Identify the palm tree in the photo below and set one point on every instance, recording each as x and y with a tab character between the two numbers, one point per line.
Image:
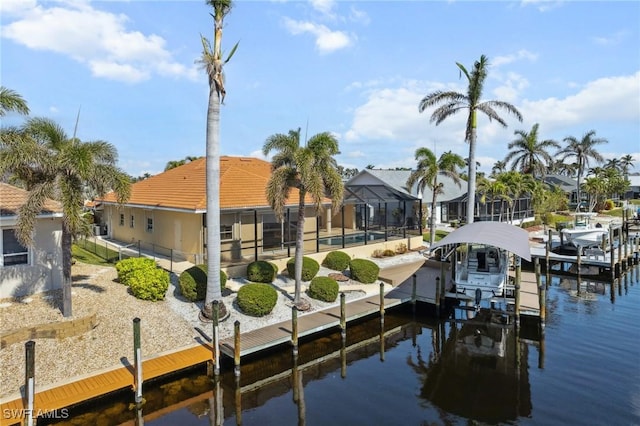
498	167
62	169
626	162
613	163
453	102
313	172
528	154
12	101
582	150
517	185
213	63
427	173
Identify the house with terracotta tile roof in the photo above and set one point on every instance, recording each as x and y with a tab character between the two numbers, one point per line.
29	270
166	214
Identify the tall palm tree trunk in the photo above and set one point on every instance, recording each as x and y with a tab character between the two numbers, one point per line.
66	271
471	186
214	291
432	225
299	249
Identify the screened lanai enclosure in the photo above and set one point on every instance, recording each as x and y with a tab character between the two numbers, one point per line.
369	214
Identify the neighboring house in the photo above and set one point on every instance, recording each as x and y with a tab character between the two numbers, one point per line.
166	213
389	199
568	185
381	199
634	189
29	270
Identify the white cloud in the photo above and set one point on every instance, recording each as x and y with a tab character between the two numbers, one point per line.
522	54
612	39
96	38
389	115
323	6
326	40
360	16
612	99
543	5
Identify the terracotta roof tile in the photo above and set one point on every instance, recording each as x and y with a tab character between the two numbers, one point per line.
242	185
12	198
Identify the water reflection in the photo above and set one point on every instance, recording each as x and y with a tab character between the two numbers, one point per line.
478	374
475	369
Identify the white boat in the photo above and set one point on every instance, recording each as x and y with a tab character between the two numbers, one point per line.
584	233
481	268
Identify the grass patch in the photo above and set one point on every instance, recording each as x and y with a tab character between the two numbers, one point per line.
85	256
439	235
616	212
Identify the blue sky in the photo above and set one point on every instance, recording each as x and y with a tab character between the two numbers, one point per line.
357	69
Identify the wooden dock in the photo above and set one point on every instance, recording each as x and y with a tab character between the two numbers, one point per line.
314	322
102	383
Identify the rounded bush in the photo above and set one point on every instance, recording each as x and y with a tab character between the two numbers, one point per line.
127	266
149	284
261	271
257	299
193	282
336	260
324	288
310	268
364	270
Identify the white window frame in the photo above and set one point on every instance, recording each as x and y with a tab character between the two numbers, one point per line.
3	256
150	224
132	222
121	219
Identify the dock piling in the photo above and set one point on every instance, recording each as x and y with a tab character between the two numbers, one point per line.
137	356
517	289
215	339
542	294
343	316
294	330
381	302
438	297
29	382
236	348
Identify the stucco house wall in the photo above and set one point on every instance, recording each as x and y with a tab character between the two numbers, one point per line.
43	270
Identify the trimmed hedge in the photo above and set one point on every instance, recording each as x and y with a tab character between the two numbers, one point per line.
257	299
193	282
336	260
126	266
261	271
149	284
324	288
364	270
310	268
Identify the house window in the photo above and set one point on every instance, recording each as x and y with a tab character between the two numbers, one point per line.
133	221
13	253
121	219
226	232
149	224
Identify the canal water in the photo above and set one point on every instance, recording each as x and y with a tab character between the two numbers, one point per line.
412	370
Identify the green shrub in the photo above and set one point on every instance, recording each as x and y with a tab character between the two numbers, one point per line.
193	282
149	284
257	299
261	271
310	268
126	266
324	288
336	260
364	270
